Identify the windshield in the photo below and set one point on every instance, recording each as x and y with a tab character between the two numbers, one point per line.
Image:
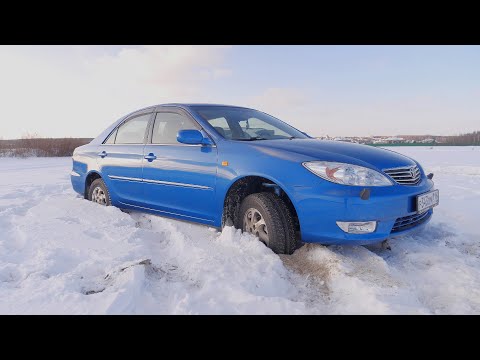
246	124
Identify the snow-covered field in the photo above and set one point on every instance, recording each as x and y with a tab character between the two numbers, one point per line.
60	254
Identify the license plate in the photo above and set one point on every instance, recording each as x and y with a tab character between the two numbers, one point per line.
427	201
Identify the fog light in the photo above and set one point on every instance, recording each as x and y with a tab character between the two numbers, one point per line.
355	227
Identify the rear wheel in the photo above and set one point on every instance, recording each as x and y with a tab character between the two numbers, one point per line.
267	217
98	193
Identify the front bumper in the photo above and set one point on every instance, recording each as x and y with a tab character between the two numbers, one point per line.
320	207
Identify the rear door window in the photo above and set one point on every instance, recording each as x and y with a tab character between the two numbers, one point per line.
111	139
133	131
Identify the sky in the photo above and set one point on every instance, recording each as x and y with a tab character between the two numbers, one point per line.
78	91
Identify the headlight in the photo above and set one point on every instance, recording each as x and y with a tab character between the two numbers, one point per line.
347	174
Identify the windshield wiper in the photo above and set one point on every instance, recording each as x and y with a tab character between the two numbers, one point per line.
251	139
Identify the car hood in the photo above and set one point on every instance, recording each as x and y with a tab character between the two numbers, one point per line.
327	150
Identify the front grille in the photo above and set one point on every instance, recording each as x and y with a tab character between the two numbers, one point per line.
410	221
409	175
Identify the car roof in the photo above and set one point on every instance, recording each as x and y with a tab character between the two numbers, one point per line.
187	105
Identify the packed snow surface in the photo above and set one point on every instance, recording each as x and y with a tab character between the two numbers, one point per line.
60	254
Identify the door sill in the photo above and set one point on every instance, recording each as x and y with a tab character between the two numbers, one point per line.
167	213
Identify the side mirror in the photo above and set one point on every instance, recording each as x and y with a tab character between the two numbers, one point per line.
192	137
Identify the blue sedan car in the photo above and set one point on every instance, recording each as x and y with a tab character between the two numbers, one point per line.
226	165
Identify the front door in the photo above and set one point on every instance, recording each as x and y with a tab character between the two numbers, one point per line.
179	179
121	158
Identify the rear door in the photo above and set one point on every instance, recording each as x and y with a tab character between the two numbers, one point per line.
121	159
179	179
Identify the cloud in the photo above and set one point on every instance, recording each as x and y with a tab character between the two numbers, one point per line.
292	105
318	113
79	90
280	98
221	73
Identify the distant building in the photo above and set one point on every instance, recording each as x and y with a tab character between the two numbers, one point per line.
394	140
397	139
342	139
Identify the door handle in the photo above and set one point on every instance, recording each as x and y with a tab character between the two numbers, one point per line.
150	157
102	154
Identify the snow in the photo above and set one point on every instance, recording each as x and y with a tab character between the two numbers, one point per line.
60	254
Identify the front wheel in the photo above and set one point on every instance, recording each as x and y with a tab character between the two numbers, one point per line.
98	193
267	217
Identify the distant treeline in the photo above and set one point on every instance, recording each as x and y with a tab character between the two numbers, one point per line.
472	138
463	139
47	147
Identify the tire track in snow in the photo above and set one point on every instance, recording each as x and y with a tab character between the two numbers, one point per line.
218	258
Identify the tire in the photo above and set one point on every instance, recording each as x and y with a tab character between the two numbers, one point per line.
98	193
276	230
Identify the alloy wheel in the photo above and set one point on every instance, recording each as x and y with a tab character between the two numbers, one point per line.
98	196
254	223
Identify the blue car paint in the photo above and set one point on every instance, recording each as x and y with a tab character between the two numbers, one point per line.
176	164
190	182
